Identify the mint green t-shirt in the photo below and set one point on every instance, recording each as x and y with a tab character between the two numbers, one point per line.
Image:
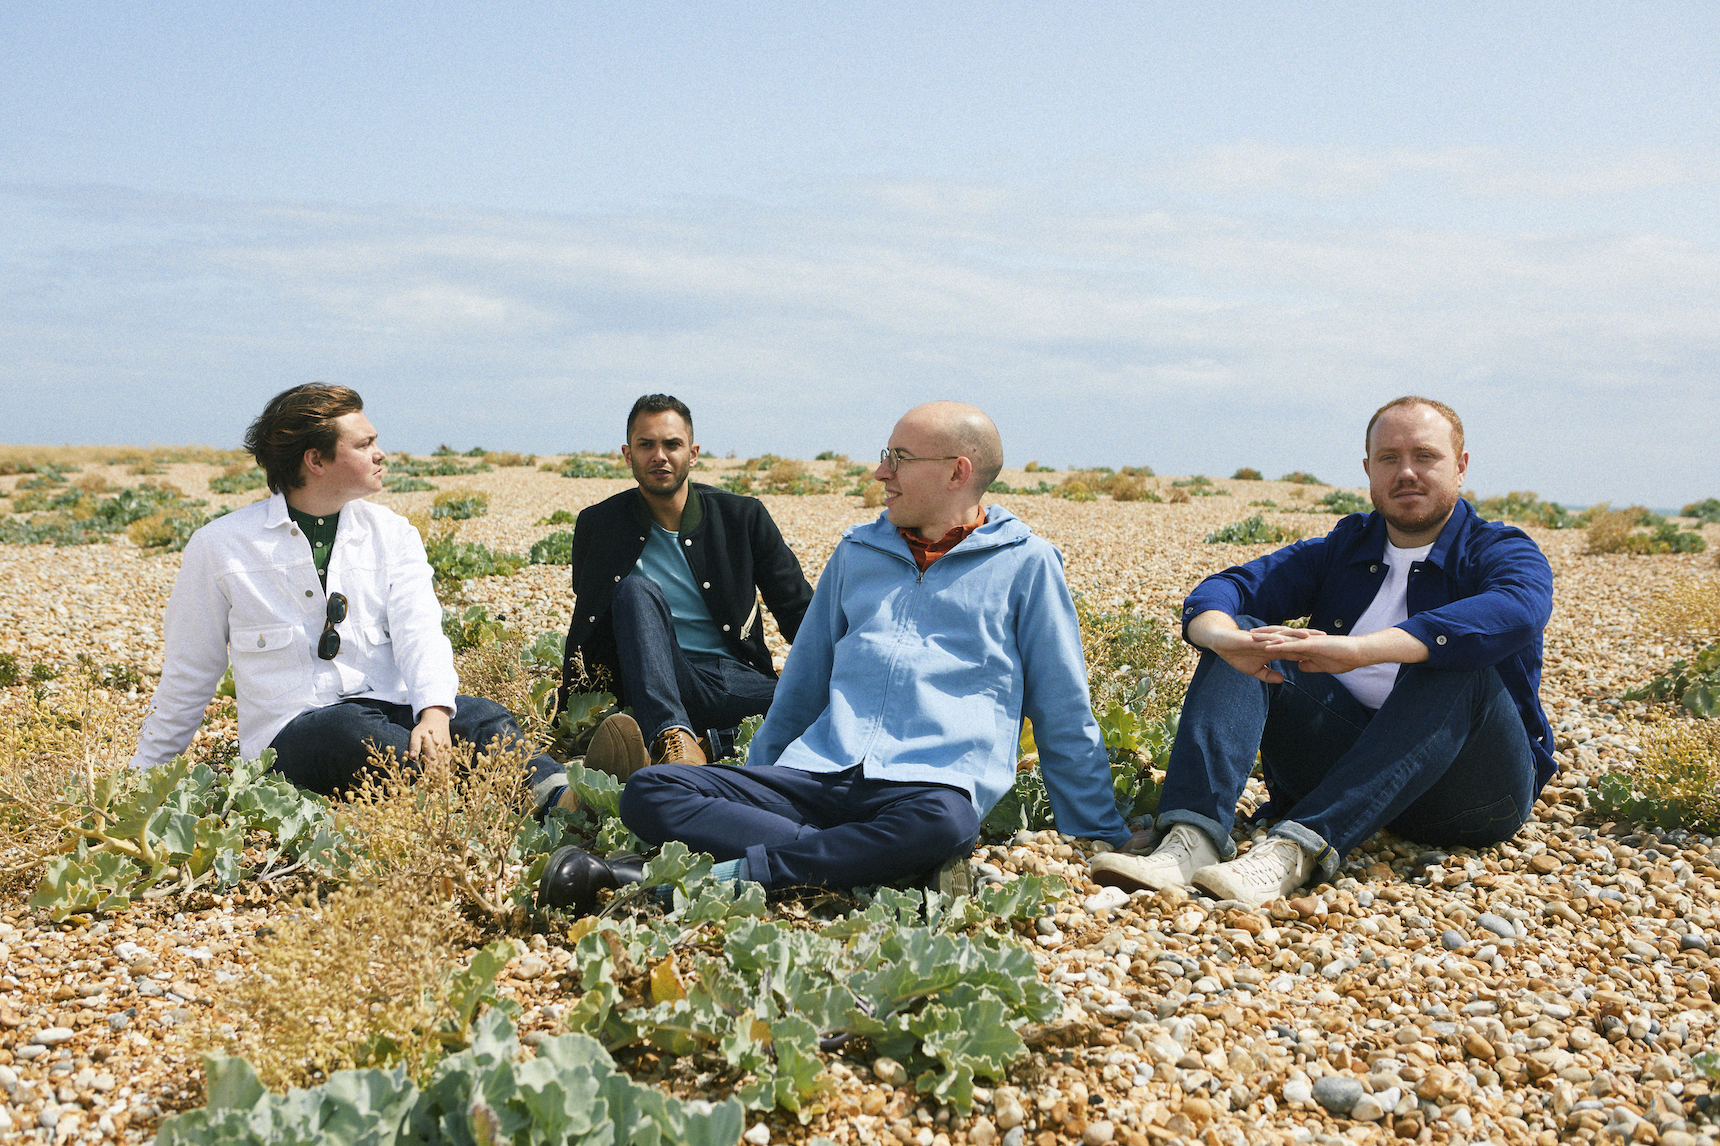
664	562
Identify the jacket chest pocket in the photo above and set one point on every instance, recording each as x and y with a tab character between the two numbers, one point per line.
267	661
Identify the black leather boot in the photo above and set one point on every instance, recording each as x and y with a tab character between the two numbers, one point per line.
572	878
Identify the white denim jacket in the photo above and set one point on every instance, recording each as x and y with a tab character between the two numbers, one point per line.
248	590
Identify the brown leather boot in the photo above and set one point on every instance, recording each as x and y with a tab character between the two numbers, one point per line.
677	746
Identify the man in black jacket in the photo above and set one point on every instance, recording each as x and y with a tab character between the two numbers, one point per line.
666	584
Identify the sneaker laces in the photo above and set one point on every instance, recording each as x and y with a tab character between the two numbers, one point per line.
1250	866
1180	843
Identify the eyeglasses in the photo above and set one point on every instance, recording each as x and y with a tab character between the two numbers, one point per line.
894	458
329	643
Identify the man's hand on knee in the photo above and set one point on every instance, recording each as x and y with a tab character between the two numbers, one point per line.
430	740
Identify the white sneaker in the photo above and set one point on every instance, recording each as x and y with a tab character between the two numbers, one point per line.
1184	849
1275	866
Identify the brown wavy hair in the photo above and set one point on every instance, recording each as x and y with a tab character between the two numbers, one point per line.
294	421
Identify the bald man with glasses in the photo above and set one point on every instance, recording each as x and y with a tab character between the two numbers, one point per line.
896	725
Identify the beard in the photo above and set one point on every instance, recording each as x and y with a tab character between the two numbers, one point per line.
1435	514
663	485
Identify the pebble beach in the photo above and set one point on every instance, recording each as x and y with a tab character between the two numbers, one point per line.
1555	988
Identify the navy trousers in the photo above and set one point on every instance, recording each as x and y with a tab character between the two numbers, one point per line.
796	828
326	749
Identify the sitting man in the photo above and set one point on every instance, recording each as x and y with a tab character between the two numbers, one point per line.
896	726
666	584
1410	702
324	604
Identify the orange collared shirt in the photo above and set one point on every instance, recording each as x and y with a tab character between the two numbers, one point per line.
926	552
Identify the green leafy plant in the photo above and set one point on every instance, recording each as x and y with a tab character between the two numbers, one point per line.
593	466
1675	782
1302	477
556	549
1246	473
1252	531
568	1092
454	562
238	479
1342	501
406	483
180	826
1695	684
559	517
460	504
472	627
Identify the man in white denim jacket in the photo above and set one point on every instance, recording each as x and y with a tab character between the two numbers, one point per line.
324	604
896	724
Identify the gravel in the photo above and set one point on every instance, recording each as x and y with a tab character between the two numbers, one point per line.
1554	988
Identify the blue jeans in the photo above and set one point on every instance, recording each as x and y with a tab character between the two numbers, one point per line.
1445	759
327	749
665	687
797	828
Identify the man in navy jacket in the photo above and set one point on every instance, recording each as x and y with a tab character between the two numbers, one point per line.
1410	700
666	581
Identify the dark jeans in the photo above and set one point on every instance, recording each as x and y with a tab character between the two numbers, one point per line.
327	749
1445	759
795	828
665	687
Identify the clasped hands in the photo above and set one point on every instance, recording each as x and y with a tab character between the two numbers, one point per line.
1252	651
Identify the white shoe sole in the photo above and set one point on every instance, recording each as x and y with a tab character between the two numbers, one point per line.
1133	873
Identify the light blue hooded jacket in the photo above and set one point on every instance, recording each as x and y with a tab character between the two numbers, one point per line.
924	678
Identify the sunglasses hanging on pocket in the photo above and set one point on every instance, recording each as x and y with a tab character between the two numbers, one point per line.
329	643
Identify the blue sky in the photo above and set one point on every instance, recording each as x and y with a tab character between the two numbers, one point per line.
1193	236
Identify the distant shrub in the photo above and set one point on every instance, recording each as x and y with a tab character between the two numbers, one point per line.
444	451
1127	487
829	456
460	504
1615	531
1707	511
1526	506
1692	605
454	562
1254	530
238	479
406	484
168	529
556	549
1074	489
1198	481
873	495
559	517
1343	501
1302	477
1246	473
591	466
509	459
1036	468
1178	496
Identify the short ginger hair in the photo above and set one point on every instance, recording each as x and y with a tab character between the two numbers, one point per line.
1441	408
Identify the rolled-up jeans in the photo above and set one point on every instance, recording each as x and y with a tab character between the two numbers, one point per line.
1445	760
326	749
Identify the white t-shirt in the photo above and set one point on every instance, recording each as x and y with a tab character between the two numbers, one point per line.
1371	684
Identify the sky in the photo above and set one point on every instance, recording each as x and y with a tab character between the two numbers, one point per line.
1195	236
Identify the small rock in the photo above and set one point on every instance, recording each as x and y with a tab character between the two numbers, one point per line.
1544	864
1097	1133
889	1072
1497	924
1368	1109
118	1023
530	966
1451	939
982	1132
1015	1137
758	1134
1298	1091
1692	941
1108	899
30	1051
53	1036
1337	1093
6	1123
1008	1110
1306	907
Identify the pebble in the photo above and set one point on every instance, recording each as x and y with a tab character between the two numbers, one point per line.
758	1134
889	1072
1108	899
1692	941
1298	1090
1499	927
1337	1093
53	1036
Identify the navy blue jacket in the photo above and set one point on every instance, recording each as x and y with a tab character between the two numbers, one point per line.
1481	597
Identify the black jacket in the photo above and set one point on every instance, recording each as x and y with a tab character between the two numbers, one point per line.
736	553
